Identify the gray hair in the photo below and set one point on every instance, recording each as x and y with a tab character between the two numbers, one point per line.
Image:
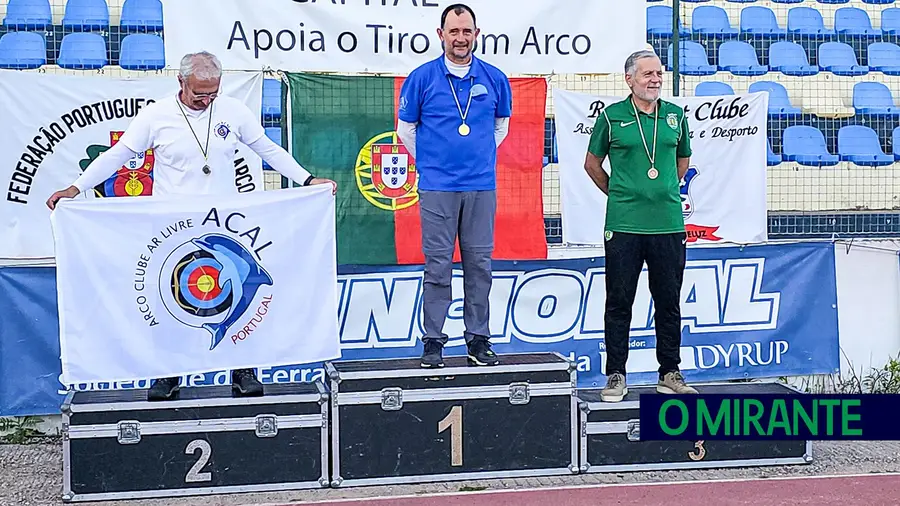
202	65
631	61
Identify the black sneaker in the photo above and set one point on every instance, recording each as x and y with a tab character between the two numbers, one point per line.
480	352
164	389
244	383
431	356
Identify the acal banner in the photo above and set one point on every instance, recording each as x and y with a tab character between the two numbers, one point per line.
56	125
754	312
394	37
723	193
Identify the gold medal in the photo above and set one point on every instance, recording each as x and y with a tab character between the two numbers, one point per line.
653	173
464	128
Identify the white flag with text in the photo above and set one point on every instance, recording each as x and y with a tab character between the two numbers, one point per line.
723	193
153	287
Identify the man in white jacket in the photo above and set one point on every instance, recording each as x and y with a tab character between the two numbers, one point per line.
194	135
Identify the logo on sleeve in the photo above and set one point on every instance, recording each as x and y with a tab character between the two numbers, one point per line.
222	130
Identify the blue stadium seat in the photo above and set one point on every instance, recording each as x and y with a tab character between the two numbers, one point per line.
739	58
877	2
761	22
807	22
86	15
779	102
692	59
890	21
806	146
840	59
271	99
884	57
22	50
273	133
874	98
712	89
141	15
895	142
82	51
659	21
833	1
711	20
142	51
853	22
790	59
28	14
771	157
788	1
860	145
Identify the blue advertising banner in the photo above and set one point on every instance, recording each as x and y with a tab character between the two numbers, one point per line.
752	312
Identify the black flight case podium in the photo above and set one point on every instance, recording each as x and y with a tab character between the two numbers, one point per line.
394	422
611	442
117	445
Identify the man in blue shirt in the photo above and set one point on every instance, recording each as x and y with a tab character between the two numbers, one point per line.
454	113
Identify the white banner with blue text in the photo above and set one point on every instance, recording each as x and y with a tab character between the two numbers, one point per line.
54	126
168	286
723	192
390	36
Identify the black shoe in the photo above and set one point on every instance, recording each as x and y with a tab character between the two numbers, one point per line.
164	389
432	356
244	383
480	352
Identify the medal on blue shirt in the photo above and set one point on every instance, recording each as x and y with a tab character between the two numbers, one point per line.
464	128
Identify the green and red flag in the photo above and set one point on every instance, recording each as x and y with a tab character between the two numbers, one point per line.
344	128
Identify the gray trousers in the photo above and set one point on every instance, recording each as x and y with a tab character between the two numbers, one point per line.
470	217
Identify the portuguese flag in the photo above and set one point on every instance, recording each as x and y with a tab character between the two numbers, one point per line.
344	128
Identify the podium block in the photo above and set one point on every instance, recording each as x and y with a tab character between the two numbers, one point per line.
394	422
610	437
117	445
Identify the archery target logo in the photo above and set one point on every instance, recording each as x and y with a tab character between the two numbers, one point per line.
209	282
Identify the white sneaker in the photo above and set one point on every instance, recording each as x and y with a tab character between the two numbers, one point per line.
615	390
673	383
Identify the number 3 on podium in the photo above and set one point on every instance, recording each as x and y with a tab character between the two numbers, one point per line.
454	422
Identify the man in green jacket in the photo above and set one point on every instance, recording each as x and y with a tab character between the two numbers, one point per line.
648	144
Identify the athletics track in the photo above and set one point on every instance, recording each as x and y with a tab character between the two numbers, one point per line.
867	490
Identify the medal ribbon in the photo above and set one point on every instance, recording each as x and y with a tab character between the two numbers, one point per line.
462	114
643	139
203	150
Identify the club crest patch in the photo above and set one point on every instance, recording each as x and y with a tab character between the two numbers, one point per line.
672	120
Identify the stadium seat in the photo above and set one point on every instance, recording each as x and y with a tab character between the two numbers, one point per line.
141	15
771	158
878	2
860	145
895	142
22	50
760	22
692	59
788	1
86	15
659	21
28	14
806	146
790	59
890	21
779	102
853	22
271	99
807	22
884	57
82	51
142	51
840	59
875	99
712	89
739	58
711	20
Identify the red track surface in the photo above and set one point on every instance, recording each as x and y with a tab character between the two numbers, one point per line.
869	490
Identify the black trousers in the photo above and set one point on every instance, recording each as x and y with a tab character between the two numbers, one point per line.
625	256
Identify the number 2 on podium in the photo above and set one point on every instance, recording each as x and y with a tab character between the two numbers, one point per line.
453	421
